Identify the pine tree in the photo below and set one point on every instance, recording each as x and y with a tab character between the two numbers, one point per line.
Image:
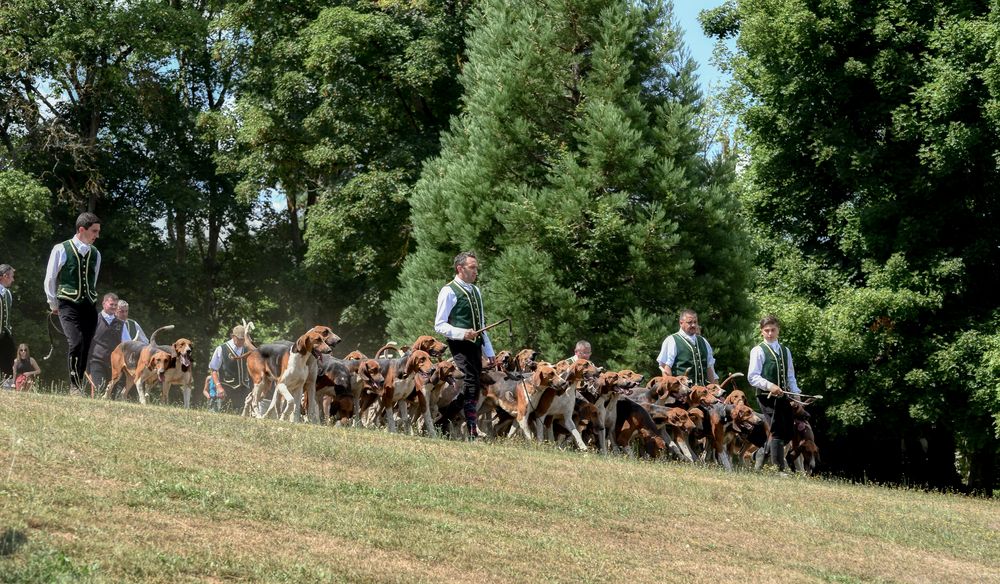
576	173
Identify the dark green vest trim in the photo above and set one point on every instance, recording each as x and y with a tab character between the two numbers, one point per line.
5	301
692	358
77	278
468	310
775	368
233	372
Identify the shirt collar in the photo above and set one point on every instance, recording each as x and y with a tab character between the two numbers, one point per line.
692	338
3	289
463	283
80	246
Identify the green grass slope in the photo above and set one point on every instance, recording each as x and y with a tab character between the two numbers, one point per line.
111	492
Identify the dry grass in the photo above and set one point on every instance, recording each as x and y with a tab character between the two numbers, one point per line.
111	492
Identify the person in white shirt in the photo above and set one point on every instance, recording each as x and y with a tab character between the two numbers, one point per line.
228	370
460	318
131	331
71	291
581	351
8	348
772	373
687	352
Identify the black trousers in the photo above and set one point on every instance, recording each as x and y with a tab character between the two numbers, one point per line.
469	360
779	415
79	321
8	352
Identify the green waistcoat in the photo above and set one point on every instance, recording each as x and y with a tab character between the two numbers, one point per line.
468	310
5	312
233	372
775	368
132	327
691	358
77	278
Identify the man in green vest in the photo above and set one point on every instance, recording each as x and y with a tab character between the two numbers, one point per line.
8	348
460	318
71	291
772	374
687	352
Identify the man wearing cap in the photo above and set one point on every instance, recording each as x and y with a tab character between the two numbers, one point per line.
228	368
459	318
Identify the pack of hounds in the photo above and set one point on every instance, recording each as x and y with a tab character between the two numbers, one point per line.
415	390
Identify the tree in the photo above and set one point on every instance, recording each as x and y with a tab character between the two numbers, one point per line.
342	103
575	172
872	132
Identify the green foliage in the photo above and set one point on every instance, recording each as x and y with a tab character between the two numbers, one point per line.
574	172
25	203
872	135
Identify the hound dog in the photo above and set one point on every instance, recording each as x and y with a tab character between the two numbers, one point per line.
355	355
265	365
503	361
430	345
526	360
443	377
403	376
580	373
167	365
532	396
633	423
603	395
666	390
802	454
299	374
359	379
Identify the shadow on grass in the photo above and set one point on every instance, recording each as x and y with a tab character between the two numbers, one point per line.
11	541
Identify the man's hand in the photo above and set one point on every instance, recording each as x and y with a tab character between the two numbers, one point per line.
470	335
55	311
491	361
773	390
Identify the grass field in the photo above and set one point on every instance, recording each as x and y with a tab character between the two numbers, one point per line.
111	492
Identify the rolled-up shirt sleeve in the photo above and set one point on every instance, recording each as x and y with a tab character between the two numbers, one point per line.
445	302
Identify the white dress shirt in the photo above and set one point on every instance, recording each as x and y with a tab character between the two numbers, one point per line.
445	302
57	259
139	334
216	363
668	351
757	363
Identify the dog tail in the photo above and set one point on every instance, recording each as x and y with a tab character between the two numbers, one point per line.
730	378
152	337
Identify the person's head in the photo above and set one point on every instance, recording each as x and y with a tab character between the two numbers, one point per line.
22	351
6	275
239	335
582	350
110	303
121	310
688	320
769	328
88	228
467	266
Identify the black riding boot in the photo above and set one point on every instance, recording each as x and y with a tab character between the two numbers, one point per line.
777	449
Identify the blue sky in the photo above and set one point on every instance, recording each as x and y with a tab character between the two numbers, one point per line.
686	13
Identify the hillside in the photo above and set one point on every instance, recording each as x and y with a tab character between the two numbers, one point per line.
111	492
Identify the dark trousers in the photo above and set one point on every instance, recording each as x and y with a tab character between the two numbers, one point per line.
79	321
8	352
469	360
778	412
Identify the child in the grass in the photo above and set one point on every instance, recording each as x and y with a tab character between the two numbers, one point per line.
211	394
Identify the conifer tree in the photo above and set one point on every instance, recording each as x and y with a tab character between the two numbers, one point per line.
576	174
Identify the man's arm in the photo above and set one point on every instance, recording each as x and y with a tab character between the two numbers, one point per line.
793	385
754	369
57	258
667	356
445	302
710	360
